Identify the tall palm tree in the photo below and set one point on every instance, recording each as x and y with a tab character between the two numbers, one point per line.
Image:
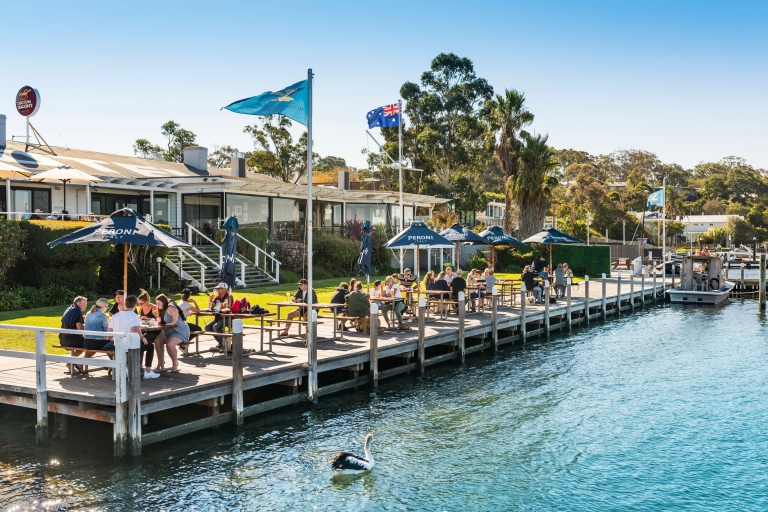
531	187
507	116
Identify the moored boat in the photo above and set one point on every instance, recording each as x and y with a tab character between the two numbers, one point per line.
701	282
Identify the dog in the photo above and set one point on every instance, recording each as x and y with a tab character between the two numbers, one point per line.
364	324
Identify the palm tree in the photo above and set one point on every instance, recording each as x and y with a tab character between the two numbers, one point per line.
531	187
507	116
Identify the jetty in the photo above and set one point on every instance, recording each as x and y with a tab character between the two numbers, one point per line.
212	390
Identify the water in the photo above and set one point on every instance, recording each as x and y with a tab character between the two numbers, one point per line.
663	409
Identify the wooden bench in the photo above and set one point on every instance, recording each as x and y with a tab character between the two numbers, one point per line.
622	262
344	319
72	351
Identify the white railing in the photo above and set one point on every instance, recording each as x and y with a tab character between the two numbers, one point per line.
271	267
126	366
192	231
179	269
84	217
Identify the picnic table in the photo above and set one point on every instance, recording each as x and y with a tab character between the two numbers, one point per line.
508	284
261	317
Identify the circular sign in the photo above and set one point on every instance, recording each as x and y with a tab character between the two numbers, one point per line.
27	101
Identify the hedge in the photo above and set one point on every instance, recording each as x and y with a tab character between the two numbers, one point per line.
11	247
335	255
591	260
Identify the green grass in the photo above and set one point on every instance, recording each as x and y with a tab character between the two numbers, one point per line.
51	316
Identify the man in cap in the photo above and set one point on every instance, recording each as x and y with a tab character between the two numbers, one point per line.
220	302
300	298
119	304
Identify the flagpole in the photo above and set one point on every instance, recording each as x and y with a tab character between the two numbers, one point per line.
400	172
311	342
664	224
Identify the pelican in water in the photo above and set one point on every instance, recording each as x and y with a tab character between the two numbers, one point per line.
349	463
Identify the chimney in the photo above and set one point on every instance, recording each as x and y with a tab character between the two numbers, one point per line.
2	131
238	166
344	180
196	157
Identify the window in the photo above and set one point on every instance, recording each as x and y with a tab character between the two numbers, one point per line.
249	210
376	213
30	199
284	215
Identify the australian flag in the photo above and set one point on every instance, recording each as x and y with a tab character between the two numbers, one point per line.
383	117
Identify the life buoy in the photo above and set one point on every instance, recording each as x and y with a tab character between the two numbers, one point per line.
714	283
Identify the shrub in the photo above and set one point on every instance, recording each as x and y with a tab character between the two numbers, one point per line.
477	262
353	229
513	269
286	276
335	256
380	255
11	247
256	235
290	254
10	300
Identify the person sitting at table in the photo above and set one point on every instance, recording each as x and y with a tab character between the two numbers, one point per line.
377	291
119	304
544	274
429	280
407	279
147	313
73	319
175	329
529	280
53	216
568	271
127	321
358	305
392	291
352	285
340	297
449	275
300	298
96	320
539	264
188	306
219	302
559	281
441	285
476	287
457	284
490	281
65	215
36	215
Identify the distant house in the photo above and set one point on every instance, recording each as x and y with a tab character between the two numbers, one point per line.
493	214
696	225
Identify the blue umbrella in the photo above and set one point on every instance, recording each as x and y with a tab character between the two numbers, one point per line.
457	234
122	227
417	235
364	261
227	274
496	237
551	236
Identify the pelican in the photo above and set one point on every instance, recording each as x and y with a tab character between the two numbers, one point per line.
284	95
349	463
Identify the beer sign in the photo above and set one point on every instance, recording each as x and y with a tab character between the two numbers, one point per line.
27	101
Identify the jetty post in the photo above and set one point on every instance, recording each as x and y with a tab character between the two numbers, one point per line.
422	332
120	429
655	290
642	290
41	427
494	317
586	298
374	352
632	291
522	312
312	356
237	372
568	318
134	397
762	281
604	304
545	292
462	314
742	277
618	292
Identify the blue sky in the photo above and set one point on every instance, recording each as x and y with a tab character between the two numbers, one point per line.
686	80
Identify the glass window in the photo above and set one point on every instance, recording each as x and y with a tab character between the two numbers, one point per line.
162	210
284	216
376	213
395	215
21	200
249	210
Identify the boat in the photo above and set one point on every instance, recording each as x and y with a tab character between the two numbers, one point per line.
701	282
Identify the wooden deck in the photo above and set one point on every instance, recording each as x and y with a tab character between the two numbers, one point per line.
272	380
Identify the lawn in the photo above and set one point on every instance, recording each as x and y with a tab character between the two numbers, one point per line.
51	316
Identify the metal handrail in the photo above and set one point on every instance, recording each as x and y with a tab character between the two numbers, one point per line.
191	229
202	267
257	250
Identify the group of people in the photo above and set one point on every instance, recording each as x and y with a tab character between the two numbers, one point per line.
128	314
63	215
539	271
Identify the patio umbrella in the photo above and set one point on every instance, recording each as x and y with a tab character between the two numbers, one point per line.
457	234
496	237
65	174
415	236
122	227
364	261
229	252
551	236
8	171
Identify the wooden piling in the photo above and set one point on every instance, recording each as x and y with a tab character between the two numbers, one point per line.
133	381
374	351
462	313
642	290
742	277
312	357
422	333
586	298
237	371
604	303
618	293
568	319
120	429
522	312
494	316
655	290
41	395
632	292
545	293
762	281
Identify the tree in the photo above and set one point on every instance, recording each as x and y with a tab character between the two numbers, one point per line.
11	247
507	116
221	157
674	174
275	152
178	138
329	163
713	207
146	149
531	186
620	163
182	139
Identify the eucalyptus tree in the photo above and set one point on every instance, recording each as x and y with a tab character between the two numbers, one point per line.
275	153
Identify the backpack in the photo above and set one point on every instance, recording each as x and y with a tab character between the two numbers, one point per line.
258	310
241	306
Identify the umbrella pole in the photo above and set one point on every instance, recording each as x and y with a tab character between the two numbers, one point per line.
550	257
416	273
65	195
458	257
125	269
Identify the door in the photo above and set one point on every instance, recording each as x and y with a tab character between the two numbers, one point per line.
203	212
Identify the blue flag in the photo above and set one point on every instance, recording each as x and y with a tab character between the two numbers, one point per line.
386	116
292	102
656	198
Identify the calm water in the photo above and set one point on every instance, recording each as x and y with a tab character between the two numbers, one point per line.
664	409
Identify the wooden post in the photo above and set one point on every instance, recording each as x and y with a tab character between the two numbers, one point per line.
604	303
586	298
494	317
374	355
632	291
237	371
120	430
673	274
41	427
727	267
642	290
312	357
422	332
655	290
762	281
133	381
568	318
742	278
522	312
618	293
546	307
462	313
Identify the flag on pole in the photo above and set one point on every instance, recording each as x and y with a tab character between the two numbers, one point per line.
292	102
384	117
656	198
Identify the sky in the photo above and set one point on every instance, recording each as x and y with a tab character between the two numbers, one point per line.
686	80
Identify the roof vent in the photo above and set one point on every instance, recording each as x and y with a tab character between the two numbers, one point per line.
238	166
2	130
344	180
196	157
